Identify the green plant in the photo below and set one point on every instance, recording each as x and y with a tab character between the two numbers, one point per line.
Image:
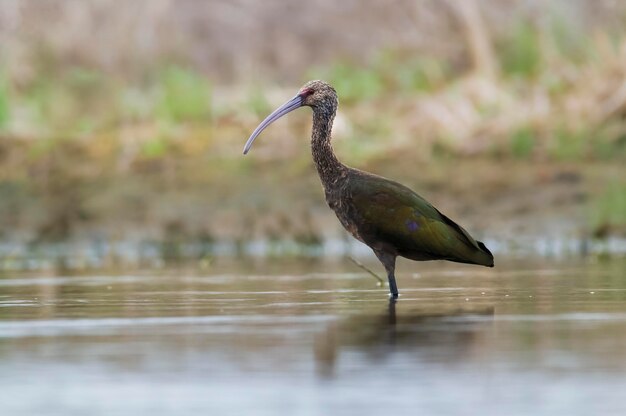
416	74
155	148
353	83
85	81
609	142
522	143
609	209
257	102
569	42
4	101
568	144
520	53
184	95
53	104
368	141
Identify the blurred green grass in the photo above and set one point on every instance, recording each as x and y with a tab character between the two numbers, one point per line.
183	96
4	101
82	144
607	213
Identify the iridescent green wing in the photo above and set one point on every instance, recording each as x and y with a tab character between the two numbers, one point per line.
392	213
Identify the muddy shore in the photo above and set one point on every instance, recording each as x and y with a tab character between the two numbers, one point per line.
79	194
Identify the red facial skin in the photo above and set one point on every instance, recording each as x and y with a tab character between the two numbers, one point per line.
305	92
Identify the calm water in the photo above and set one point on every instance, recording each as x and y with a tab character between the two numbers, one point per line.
548	339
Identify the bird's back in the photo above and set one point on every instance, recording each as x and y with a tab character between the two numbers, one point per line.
388	216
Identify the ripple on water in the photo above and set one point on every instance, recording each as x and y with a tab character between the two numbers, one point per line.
545	341
62	327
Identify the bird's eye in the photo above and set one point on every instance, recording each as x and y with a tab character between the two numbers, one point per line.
305	92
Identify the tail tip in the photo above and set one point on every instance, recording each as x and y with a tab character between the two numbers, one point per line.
485	250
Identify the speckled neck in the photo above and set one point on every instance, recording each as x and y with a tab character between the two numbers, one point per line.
329	168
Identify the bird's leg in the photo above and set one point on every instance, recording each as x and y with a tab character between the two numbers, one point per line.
362	266
389	261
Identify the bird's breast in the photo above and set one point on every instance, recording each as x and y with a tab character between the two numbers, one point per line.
340	204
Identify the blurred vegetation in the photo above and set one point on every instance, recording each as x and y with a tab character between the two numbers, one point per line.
609	209
154	143
520	52
184	96
4	102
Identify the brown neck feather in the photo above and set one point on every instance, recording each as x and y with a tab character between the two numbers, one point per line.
329	168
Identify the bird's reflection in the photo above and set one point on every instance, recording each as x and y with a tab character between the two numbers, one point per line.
445	334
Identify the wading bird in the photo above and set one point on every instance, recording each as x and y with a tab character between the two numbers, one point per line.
387	216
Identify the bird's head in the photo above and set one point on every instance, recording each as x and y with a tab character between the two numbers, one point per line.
318	95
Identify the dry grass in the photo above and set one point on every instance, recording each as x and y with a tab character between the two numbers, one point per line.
113	116
467	77
279	40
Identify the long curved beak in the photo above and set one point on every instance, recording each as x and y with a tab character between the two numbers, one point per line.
295	102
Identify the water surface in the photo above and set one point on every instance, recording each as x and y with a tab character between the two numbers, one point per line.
546	339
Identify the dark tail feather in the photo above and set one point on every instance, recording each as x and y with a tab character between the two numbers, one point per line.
488	257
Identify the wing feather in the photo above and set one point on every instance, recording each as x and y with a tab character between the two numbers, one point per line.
389	212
